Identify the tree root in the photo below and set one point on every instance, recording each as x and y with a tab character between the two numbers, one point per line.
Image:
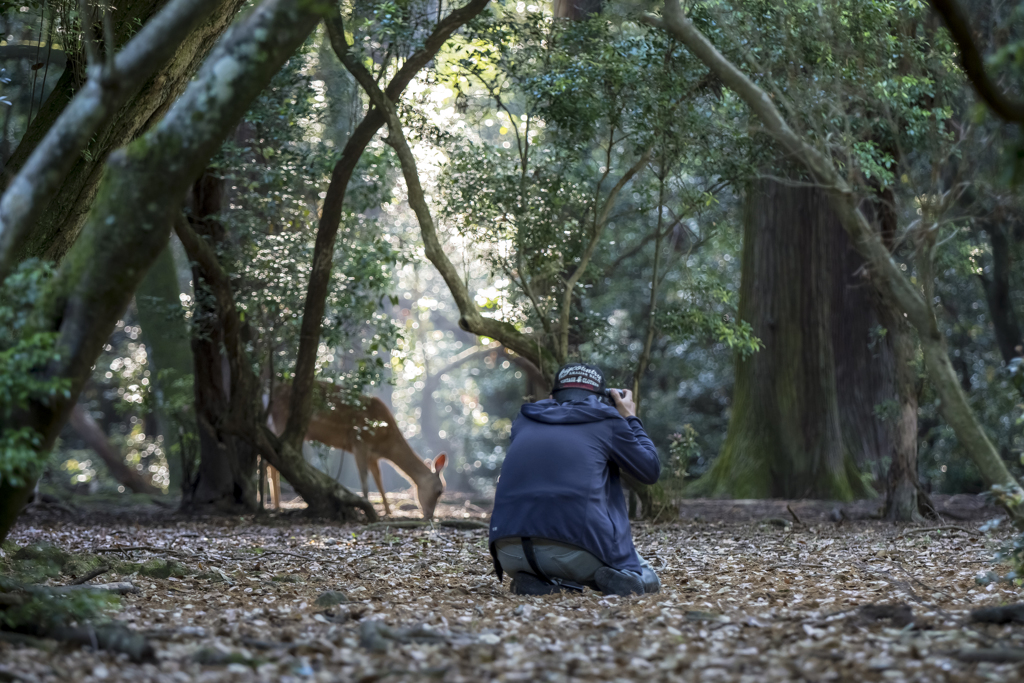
999	615
113	637
900	615
21	594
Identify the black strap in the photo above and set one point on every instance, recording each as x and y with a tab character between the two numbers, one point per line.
494	558
532	559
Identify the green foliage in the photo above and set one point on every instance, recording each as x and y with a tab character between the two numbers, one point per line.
23	352
277	173
698	318
1011	552
683	453
567	108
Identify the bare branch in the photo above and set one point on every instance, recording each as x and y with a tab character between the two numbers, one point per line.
87	21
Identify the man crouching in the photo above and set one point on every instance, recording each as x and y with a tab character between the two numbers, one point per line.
560	520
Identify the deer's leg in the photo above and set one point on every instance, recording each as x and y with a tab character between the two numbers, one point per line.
374	466
275	486
360	459
263	484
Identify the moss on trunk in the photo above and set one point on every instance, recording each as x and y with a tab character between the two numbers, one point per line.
786	435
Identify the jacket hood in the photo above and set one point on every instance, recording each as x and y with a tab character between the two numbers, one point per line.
550	411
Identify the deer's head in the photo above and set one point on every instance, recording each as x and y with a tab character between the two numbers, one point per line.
430	490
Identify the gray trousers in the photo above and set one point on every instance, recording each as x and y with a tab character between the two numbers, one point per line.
556	559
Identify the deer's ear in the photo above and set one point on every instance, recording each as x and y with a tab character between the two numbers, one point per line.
439	462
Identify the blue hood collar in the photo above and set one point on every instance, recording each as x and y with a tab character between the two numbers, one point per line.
550	411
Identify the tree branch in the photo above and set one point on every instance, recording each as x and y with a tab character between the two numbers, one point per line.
94	106
92	434
472	320
959	26
142	190
599	224
301	401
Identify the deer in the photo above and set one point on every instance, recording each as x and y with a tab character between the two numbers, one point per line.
369	433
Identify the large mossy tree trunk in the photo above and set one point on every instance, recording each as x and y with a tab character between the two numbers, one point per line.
786	434
64	217
913	297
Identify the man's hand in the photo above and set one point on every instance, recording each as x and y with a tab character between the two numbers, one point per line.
624	402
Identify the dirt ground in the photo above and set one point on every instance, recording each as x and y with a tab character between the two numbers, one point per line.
747	597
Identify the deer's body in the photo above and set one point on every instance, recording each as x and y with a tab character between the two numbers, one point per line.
369	432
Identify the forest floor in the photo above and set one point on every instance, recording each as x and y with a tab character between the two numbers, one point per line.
748	597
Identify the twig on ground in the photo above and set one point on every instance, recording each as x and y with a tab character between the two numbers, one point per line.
285	552
926	529
118	588
90	576
795	518
463	524
137	548
920	583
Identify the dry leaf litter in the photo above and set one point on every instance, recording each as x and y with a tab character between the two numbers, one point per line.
290	600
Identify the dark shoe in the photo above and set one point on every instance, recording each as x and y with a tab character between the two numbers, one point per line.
613	582
650	581
528	584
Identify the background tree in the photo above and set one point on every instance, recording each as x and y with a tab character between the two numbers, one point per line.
886	274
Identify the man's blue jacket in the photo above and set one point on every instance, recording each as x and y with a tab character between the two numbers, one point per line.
560	478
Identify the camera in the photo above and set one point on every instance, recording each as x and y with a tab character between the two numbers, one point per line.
608	398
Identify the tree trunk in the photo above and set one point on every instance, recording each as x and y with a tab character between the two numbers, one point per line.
863	348
997	292
875	348
58	228
905	501
170	357
785	437
227	476
12	501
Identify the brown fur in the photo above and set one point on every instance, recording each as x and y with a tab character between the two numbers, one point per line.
369	433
